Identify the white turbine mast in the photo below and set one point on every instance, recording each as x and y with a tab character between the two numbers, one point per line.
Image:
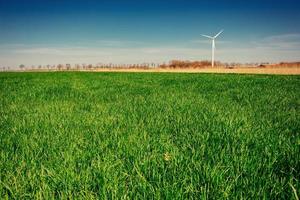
213	46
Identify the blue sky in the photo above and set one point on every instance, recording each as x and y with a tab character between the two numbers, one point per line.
36	32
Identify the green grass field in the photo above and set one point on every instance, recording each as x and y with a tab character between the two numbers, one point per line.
149	136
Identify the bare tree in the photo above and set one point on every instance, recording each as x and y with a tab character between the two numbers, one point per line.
59	66
68	66
22	66
90	66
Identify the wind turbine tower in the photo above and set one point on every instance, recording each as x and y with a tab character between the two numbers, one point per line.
213	46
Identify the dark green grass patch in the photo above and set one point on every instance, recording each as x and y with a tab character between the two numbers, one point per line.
149	136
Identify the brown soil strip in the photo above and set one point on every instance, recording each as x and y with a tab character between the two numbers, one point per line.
254	70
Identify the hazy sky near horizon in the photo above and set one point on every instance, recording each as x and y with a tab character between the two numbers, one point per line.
34	32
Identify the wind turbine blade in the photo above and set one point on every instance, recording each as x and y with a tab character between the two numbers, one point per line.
208	36
218	33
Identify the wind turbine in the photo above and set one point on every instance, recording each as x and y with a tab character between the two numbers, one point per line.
213	46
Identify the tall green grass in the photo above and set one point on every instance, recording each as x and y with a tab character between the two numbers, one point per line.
149	136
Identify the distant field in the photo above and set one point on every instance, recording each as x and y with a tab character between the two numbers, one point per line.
149	135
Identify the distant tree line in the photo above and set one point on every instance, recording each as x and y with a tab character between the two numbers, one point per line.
202	64
172	65
67	67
